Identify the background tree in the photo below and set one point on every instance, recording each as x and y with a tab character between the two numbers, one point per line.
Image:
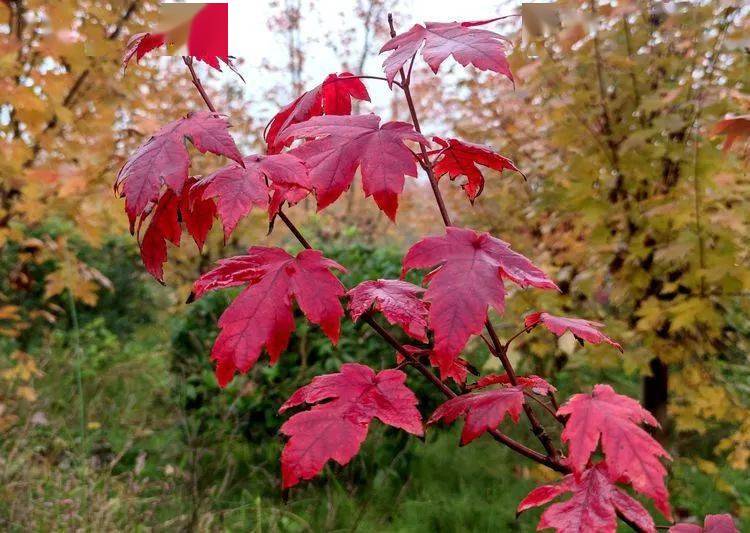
638	206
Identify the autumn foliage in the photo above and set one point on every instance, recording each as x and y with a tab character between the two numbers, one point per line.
314	149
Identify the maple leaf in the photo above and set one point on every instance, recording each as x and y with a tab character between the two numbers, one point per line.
336	429
632	454
343	143
484	410
584	330
468	279
163	159
459	158
332	97
237	189
468	45
533	383
593	507
457	371
208	38
734	128
398	301
713	523
261	316
164	225
141	44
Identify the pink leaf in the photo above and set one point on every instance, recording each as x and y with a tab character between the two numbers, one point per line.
582	329
631	453
484	410
163	159
237	189
482	48
714	523
399	301
468	280
593	506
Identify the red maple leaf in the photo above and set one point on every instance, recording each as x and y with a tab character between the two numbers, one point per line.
197	214
459	158
164	160
593	507
336	429
586	330
482	48
344	143
533	383
261	316
469	279
208	39
631	453
457	372
332	97
399	301
237	189
713	523
484	410
141	44
734	128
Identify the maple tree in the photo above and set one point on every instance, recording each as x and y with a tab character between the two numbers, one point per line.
325	147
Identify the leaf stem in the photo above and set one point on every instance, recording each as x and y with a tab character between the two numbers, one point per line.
197	82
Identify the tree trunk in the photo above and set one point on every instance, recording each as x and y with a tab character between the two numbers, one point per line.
656	394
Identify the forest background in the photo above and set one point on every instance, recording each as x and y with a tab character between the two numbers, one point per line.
110	417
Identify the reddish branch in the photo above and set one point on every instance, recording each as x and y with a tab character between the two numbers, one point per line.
500	350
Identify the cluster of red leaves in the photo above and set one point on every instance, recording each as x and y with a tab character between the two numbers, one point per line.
469	270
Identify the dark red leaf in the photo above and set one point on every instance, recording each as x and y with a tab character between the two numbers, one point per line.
593	506
141	44
261	316
237	189
344	143
399	301
197	213
631	453
164	225
482	48
163	159
484	410
459	158
468	279
586	330
336	429
332	97
714	523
